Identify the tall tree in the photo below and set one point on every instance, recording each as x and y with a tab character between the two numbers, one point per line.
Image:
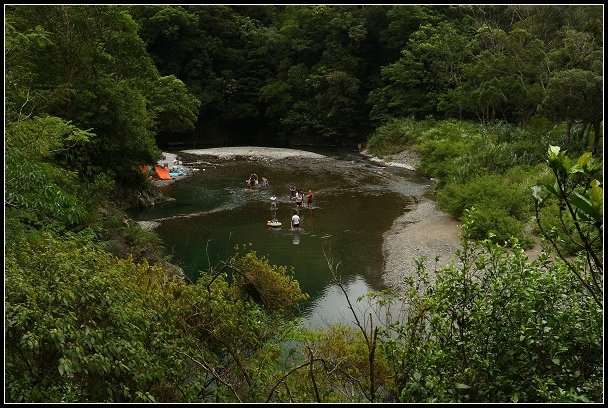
96	73
429	66
576	95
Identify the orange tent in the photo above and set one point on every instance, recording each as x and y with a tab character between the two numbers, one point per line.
162	173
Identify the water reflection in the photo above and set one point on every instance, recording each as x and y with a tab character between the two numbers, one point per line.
295	237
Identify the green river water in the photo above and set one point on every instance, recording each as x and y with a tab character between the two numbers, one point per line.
355	203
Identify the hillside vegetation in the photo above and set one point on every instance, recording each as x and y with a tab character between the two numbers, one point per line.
504	103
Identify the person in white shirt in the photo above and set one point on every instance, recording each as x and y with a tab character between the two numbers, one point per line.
295	220
299	198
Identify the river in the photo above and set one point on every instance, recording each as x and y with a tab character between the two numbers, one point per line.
355	202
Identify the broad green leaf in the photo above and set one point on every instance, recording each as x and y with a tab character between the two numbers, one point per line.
575	169
596	196
553	188
584	204
584	159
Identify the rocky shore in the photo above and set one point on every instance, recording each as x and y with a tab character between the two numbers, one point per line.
423	231
406	159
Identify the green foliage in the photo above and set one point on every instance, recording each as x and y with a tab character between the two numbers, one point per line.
84	101
79	328
488	167
490	63
559	229
276	97
429	65
84	326
131	240
517	145
95	73
444	143
458	152
37	191
493	207
486	192
504	82
177	113
497	328
574	95
341	369
576	188
494	224
393	136
271	285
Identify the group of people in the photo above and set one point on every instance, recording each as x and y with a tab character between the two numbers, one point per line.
296	195
253	181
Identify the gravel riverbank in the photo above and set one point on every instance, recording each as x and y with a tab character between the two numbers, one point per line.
423	231
253	152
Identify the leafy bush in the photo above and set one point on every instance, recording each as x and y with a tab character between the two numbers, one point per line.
549	218
84	326
439	157
44	192
272	285
578	191
344	375
486	192
451	129
496	225
395	135
497	328
80	328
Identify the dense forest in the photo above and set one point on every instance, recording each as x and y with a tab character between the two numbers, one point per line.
504	103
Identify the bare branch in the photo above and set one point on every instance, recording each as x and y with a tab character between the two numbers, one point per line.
211	370
282	379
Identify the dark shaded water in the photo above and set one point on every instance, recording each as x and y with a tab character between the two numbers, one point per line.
355	202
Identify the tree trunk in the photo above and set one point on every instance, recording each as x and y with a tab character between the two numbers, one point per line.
596	137
581	132
581	141
568	128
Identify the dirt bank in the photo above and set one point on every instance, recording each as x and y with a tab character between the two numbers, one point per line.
423	231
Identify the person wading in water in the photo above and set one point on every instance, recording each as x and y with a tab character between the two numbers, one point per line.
309	199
